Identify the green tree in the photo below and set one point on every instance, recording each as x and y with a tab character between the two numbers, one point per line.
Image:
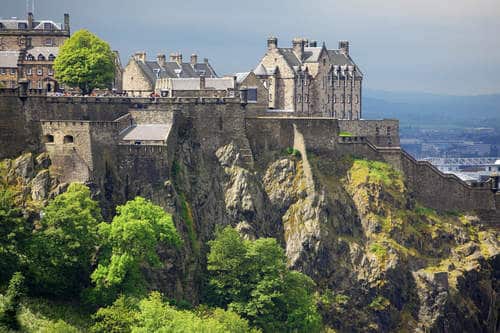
117	318
158	316
86	62
13	235
64	246
251	278
129	242
10	308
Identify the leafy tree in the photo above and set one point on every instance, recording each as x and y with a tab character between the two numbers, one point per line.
86	62
117	318
13	235
157	316
251	278
10	308
130	241
63	248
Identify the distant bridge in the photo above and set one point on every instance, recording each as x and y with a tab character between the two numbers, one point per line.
457	161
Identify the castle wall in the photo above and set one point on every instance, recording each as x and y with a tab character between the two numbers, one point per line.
382	133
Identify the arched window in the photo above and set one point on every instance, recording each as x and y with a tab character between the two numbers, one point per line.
30	57
49	138
68	139
51	57
41	57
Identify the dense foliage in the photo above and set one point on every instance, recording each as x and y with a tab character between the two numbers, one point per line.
64	244
130	241
86	62
13	235
251	278
152	315
11	304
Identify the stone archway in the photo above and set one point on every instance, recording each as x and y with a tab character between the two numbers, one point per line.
50	85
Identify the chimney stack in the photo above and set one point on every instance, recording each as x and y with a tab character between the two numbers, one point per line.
205	60
298	47
161	59
66	22
176	57
344	47
140	56
313	43
272	43
202	82
194	59
30	21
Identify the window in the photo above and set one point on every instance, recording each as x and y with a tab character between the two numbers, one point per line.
39	71
13	71
51	57
30	57
48	26
68	139
39	84
2	71
252	95
48	138
22	26
29	71
50	71
49	42
2	26
41	57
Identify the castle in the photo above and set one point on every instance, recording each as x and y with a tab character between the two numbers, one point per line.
306	97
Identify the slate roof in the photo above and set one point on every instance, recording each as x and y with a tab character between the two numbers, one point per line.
240	77
147	132
13	24
9	59
172	69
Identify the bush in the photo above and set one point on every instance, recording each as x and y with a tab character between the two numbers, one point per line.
11	305
117	318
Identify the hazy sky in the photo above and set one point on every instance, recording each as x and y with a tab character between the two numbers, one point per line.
439	46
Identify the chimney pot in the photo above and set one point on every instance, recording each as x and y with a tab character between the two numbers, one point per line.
272	43
194	59
140	56
30	20
161	59
344	47
205	60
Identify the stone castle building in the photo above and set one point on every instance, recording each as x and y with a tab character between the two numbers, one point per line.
311	80
140	76
28	49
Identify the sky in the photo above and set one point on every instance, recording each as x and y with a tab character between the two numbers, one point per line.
435	46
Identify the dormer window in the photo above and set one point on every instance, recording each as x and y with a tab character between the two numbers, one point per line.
30	57
22	26
41	57
51	57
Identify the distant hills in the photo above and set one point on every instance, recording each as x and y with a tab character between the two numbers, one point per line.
433	111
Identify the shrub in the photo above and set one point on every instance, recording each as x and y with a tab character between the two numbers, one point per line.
11	305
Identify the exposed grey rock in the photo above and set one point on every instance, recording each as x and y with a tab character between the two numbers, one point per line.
40	185
24	167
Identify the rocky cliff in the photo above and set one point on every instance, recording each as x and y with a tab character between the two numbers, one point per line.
381	260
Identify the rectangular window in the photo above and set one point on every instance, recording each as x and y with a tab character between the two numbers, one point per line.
39	71
29	71
39	84
252	95
13	71
51	71
2	71
49	42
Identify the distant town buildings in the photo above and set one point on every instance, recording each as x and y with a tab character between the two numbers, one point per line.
470	170
28	48
312	80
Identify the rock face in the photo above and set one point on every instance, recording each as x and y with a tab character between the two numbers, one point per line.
382	261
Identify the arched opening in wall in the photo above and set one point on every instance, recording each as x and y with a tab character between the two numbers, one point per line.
48	138
68	139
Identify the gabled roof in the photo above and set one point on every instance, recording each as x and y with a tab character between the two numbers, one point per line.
240	77
9	59
260	70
